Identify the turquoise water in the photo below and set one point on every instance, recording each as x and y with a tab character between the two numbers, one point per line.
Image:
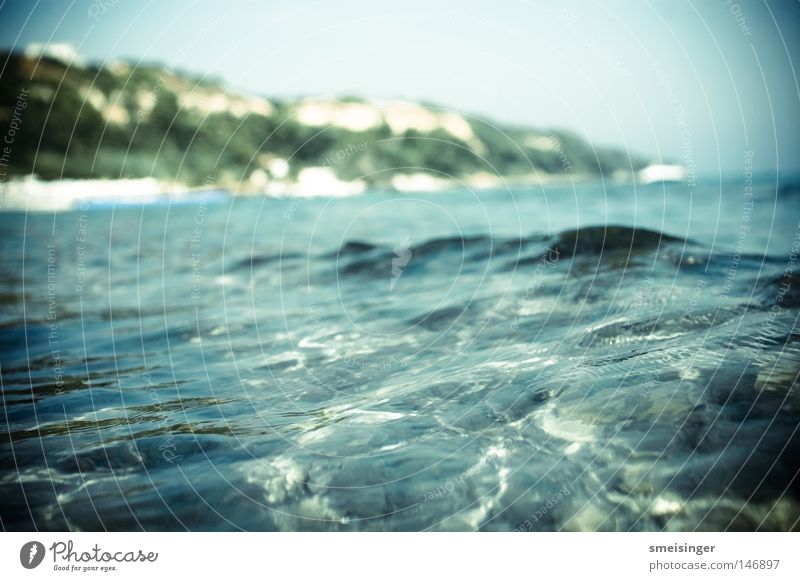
589	357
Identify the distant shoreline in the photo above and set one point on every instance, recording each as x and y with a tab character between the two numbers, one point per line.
35	195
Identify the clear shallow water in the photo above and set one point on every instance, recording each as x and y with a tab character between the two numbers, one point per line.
454	361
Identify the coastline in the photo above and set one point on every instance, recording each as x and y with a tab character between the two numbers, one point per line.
34	195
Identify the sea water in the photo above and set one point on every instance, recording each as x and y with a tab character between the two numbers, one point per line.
591	356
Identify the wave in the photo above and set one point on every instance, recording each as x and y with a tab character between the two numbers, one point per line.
362	258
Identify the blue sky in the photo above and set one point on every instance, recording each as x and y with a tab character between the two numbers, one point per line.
700	82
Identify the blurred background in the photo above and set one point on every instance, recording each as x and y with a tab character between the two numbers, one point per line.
189	93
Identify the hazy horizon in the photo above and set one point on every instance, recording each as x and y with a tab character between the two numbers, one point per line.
697	83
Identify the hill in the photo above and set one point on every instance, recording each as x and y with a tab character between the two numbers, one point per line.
126	121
